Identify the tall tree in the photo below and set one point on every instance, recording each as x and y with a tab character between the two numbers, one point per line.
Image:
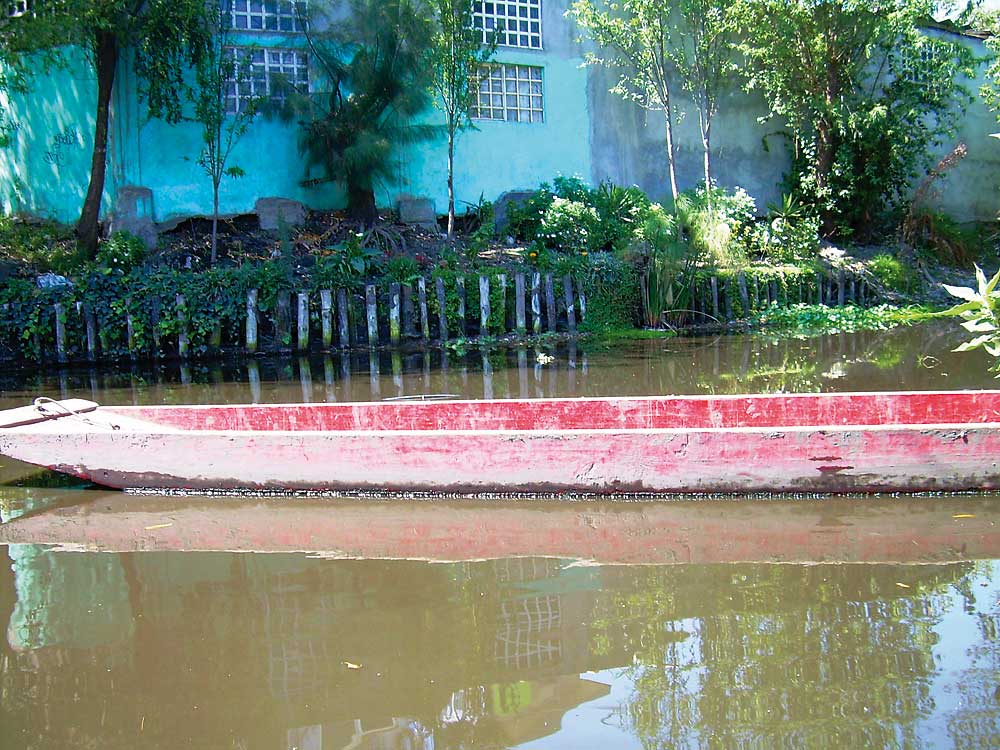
459	58
864	93
374	60
165	36
637	39
705	59
224	119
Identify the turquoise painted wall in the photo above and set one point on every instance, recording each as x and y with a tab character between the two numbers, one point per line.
501	156
45	168
497	157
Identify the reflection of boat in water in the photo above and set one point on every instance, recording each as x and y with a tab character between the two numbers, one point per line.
700	444
961	527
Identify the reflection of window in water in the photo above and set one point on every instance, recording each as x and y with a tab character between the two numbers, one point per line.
520	569
519	620
297	659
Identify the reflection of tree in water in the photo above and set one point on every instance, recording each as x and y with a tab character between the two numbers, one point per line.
978	715
766	656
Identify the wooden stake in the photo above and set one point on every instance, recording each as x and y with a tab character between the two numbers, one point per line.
570	307
536	303
326	317
520	319
484	306
442	308
550	303
394	316
182	326
371	313
425	325
303	322
251	329
343	322
460	284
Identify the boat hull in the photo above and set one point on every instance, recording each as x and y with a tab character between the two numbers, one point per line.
806	443
794	460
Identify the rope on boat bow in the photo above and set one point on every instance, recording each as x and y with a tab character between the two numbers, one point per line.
43	401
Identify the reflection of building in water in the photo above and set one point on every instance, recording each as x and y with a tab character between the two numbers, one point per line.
385	734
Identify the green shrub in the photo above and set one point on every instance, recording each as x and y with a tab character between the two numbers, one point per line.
44	245
525	218
122	251
620	214
611	286
893	273
717	222
568	225
402	269
782	240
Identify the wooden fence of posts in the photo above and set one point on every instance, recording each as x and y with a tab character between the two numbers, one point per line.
376	318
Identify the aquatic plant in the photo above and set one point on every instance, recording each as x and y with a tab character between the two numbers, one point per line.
980	314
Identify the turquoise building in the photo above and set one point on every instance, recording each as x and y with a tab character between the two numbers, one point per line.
541	113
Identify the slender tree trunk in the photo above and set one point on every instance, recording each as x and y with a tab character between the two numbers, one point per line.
105	62
706	144
825	148
215	219
451	183
671	156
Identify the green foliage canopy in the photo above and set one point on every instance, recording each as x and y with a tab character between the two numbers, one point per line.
165	36
865	93
376	80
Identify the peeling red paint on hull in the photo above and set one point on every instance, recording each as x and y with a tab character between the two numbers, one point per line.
837	443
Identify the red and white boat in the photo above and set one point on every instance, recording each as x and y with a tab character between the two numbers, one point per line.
813	443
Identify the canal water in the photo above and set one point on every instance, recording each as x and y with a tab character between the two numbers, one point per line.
165	622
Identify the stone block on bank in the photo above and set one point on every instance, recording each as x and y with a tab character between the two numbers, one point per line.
133	213
503	204
418	212
272	211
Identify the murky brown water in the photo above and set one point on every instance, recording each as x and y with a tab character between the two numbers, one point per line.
831	623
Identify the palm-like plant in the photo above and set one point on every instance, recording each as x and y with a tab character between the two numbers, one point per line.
374	82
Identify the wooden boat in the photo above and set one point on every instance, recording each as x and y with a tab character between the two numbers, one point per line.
811	443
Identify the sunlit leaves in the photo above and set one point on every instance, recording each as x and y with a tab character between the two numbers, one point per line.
980	313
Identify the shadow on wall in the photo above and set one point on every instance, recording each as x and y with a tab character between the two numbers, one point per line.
628	144
48	135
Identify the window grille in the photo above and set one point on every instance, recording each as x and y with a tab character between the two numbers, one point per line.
265	64
512	93
266	15
19	8
517	23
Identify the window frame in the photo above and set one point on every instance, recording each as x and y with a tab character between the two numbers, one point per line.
295	17
300	62
509	86
485	19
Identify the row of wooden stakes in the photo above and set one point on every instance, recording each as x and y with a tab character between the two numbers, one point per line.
405	314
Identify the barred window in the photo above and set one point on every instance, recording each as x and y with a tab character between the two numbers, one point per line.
265	63
517	23
19	8
512	93
266	15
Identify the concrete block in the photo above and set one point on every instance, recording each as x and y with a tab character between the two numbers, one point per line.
269	210
133	213
418	212
501	208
